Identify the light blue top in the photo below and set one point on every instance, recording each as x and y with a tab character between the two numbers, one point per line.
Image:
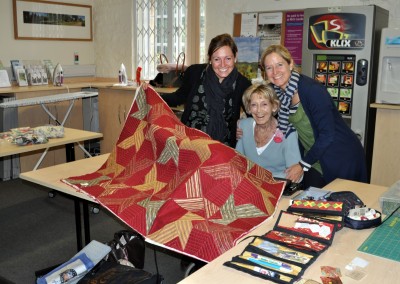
276	157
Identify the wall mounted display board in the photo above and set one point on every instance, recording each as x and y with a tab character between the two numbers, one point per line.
275	27
45	20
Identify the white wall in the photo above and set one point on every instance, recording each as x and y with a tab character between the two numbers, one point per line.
219	13
113	38
57	51
112	30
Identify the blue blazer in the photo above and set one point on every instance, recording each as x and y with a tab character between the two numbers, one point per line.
336	146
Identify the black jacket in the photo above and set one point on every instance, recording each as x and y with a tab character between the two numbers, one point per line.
190	84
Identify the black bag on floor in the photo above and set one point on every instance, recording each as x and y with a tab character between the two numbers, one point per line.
127	246
107	272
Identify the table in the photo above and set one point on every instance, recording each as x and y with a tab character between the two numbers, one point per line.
343	249
43	101
70	136
51	177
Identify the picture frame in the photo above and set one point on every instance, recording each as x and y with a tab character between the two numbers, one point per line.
46	20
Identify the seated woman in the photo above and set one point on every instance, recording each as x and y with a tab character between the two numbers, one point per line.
262	141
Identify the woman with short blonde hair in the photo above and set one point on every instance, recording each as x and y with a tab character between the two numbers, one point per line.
262	141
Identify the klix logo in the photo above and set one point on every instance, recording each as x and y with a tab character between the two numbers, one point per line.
337	31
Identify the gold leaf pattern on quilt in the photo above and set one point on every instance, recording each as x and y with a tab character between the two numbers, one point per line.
268	199
92	182
121	204
180	229
193	204
111	166
151	135
179	131
211	208
199	146
135	166
151	181
219	171
111	189
136	139
193	186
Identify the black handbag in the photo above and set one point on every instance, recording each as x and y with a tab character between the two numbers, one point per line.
127	246
172	78
107	272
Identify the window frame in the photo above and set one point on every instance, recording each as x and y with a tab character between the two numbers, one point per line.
193	36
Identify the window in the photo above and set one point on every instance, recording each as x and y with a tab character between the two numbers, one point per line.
162	26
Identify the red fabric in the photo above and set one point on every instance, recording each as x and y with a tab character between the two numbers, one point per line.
178	187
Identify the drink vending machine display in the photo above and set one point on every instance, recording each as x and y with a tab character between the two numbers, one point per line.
341	50
337	74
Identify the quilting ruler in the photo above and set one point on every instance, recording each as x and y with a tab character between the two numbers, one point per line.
384	241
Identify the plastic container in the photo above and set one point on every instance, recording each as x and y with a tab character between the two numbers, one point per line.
390	200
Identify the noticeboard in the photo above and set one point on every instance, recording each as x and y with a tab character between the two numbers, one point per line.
275	27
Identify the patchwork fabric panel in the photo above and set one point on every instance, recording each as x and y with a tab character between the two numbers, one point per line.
176	186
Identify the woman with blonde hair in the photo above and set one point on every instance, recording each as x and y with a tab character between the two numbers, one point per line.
262	141
330	149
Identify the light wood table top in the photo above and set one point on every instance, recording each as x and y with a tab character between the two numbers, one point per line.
51	177
342	251
77	85
70	136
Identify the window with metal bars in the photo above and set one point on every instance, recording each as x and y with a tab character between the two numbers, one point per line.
162	27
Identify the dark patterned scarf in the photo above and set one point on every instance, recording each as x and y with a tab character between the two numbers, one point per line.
217	95
285	98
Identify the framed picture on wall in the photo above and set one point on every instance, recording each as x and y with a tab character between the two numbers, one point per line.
45	20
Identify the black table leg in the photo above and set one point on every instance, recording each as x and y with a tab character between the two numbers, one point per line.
70	152
78	224
86	224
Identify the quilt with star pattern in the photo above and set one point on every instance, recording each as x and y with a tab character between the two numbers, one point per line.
178	187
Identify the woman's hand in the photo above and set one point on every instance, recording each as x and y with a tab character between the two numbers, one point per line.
145	85
294	173
239	132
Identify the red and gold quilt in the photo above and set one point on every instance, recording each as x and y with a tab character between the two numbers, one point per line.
178	187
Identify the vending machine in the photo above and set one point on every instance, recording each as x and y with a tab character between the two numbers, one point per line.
341	50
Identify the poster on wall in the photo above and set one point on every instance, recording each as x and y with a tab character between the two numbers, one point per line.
248	57
293	37
248	25
269	29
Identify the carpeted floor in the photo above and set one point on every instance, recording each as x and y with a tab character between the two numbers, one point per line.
38	232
